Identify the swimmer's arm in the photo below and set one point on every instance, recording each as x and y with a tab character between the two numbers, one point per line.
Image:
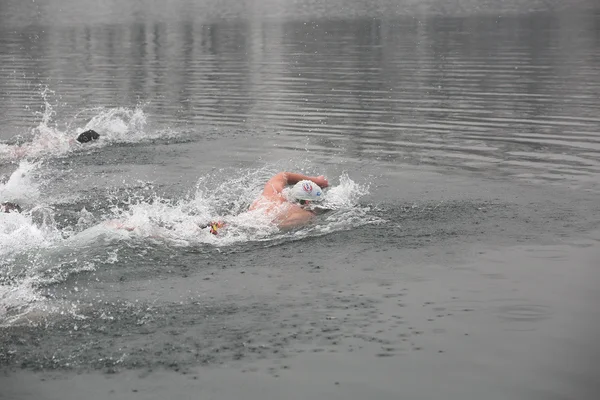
119	225
293	178
277	183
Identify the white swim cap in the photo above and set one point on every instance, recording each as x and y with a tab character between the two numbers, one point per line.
306	190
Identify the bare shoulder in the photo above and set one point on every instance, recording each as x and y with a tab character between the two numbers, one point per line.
295	217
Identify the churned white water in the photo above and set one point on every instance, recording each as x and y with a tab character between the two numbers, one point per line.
41	246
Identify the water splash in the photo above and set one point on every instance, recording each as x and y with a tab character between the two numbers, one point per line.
15	300
121	124
21	186
345	195
21	240
51	139
19	232
35	227
36	252
46	138
184	222
22	235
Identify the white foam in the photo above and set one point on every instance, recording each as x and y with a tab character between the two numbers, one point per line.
18	231
21	185
119	124
31	242
184	222
20	301
345	195
15	301
22	235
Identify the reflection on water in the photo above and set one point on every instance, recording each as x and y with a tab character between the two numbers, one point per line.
504	94
499	88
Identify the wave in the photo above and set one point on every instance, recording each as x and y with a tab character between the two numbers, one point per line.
38	252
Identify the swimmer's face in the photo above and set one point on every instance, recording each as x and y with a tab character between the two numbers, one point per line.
303	203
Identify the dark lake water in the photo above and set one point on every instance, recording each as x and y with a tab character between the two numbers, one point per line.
462	141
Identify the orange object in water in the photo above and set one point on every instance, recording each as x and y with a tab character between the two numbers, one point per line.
215	226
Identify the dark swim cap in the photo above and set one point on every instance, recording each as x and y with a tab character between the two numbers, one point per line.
88	136
9	207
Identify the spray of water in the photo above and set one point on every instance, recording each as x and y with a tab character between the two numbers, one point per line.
21	186
184	222
22	237
48	139
36	253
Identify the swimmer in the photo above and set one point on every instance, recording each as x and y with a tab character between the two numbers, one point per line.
88	136
289	206
45	143
8	207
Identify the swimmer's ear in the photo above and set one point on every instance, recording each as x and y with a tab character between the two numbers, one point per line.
88	136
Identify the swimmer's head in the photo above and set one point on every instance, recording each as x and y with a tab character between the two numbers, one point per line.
306	191
8	207
88	136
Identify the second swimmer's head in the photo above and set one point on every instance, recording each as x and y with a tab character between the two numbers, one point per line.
88	136
8	207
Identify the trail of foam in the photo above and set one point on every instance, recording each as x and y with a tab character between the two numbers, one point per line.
22	276
35	253
184	222
22	235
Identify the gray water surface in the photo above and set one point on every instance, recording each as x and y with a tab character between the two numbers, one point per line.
468	271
